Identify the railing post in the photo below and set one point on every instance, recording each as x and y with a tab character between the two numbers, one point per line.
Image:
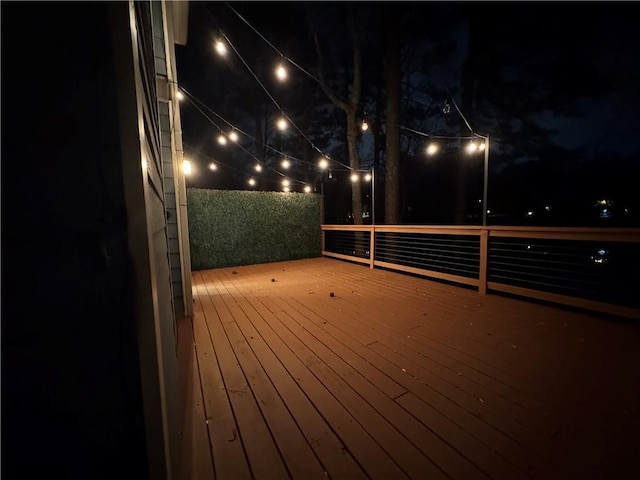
372	246
322	241
484	254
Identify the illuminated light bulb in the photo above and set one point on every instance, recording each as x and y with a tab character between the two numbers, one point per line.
307	189
286	189
286	182
323	163
258	167
186	167
282	124
180	96
481	146
285	164
222	140
365	126
472	147
281	73
432	148
367	177
354	177
213	167
233	136
252	182
221	48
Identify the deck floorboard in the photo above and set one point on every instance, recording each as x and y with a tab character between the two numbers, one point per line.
321	368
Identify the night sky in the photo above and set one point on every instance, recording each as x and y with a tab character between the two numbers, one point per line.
556	86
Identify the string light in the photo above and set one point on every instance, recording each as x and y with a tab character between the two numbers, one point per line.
233	136
258	167
194	100
221	48
286	182
307	189
481	146
239	170
432	149
213	167
186	167
282	124
285	164
365	126
472	147
222	140
252	182
180	96
354	177
281	73
323	163
367	177
286	189
446	108
253	74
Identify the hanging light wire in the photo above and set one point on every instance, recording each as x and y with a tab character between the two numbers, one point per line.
241	147
313	145
313	77
192	98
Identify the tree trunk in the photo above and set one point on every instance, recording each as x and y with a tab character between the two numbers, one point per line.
468	87
351	110
354	162
392	171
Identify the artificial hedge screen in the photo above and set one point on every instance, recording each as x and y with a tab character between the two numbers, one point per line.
231	228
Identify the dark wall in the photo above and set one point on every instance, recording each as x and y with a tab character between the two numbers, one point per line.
71	405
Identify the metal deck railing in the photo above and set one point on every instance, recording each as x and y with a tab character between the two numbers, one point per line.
592	268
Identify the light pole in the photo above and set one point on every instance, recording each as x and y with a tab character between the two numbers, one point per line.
373	196
485	182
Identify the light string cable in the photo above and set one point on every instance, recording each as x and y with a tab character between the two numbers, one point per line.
285	57
346	100
236	169
455	104
262	85
237	129
313	145
244	149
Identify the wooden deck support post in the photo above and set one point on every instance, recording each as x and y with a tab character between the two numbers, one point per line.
372	241
484	254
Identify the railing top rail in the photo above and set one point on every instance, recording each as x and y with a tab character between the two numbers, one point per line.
566	233
612	230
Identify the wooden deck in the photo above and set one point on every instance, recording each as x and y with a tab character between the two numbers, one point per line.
325	369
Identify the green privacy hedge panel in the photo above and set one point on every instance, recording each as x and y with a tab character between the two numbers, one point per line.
232	228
